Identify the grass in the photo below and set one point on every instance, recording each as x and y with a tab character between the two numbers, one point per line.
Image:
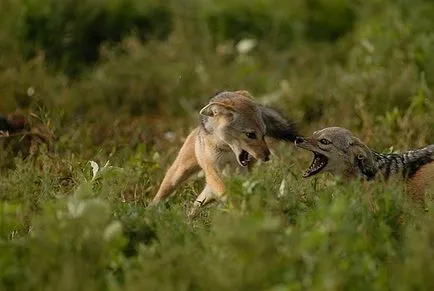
64	225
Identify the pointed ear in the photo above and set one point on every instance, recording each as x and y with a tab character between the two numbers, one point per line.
359	153
216	108
244	93
363	159
358	149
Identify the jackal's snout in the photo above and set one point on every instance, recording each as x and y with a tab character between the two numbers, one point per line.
299	140
261	153
266	155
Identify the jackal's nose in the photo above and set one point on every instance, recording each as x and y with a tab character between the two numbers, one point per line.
267	155
299	140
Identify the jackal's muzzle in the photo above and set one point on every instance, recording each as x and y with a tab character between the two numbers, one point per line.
319	161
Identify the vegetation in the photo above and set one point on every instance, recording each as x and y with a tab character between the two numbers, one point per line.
122	81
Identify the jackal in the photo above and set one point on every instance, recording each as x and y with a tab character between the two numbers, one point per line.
338	151
232	132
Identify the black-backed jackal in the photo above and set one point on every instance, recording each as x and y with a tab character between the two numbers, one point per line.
336	150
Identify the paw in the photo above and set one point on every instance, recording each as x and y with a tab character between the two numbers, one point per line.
195	209
154	203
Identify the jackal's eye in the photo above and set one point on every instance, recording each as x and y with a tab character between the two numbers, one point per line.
325	141
251	135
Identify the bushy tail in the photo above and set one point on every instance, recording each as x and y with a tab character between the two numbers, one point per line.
277	126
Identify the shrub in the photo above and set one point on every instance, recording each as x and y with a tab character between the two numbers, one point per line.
70	33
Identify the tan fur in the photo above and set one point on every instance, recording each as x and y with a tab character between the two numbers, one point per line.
421	183
216	145
183	167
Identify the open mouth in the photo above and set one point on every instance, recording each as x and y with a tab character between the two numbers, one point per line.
244	158
318	163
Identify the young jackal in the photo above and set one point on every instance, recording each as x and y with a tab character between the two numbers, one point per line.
338	151
232	132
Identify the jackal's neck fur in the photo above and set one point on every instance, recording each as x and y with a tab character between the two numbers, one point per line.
407	163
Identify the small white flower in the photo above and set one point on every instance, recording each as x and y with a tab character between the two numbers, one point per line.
170	136
30	91
244	46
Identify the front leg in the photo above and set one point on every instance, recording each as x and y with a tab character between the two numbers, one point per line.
184	166
214	180
214	189
206	197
